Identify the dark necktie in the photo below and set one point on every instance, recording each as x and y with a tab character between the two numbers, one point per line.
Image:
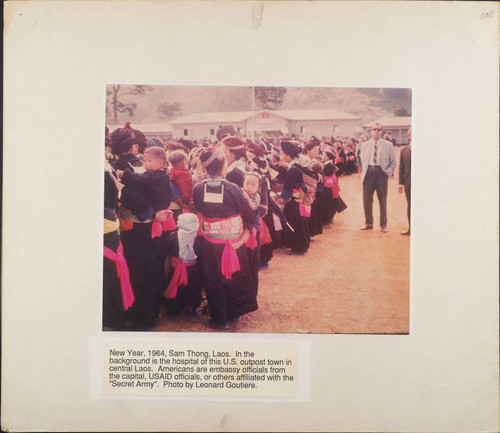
375	154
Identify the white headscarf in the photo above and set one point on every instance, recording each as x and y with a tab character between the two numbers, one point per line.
188	225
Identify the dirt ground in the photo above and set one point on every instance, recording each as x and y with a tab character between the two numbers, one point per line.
349	282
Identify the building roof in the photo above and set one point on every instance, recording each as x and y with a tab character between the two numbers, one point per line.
391	122
315	114
214	117
145	127
241	116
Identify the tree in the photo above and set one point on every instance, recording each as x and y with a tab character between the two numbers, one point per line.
169	109
269	98
401	111
115	94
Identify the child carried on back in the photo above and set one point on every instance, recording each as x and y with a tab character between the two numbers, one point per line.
182	178
148	194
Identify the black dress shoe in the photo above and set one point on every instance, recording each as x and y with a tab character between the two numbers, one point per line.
367	227
407	232
215	325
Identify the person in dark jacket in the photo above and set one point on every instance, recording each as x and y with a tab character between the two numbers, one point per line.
405	177
149	192
297	228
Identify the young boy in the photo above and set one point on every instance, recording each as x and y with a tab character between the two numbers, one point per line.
182	249
182	178
148	193
251	190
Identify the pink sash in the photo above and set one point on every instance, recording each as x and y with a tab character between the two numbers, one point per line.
158	228
122	273
179	277
332	182
305	211
252	240
223	226
335	186
265	235
328	183
229	262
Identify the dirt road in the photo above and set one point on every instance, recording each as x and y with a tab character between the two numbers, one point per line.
349	282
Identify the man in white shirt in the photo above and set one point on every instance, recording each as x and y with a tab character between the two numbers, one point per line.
377	161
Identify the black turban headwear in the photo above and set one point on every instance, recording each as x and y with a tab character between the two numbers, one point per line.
290	149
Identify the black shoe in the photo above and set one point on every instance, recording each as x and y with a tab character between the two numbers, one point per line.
383	229
407	232
215	325
235	319
367	227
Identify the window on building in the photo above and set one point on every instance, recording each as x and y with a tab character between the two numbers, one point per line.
185	132
212	131
302	129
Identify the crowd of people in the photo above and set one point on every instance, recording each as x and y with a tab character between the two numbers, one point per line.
189	220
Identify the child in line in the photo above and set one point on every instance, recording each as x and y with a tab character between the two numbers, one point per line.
182	178
252	184
181	248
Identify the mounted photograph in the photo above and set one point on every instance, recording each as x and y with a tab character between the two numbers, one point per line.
257	209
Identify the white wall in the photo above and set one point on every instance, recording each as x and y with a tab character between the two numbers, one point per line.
321	128
200	130
271	123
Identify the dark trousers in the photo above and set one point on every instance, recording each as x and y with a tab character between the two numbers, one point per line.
375	180
408	199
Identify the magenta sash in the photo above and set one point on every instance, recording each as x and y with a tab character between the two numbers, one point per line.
252	240
223	226
179	277
328	183
332	182
122	273
158	228
169	224
335	186
229	262
305	211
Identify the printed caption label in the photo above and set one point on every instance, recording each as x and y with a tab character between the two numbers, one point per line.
220	369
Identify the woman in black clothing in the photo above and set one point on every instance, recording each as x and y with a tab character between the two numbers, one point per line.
297	237
140	248
329	170
317	207
226	221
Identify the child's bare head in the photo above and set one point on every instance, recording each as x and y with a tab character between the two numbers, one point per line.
317	166
155	158
252	183
178	158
